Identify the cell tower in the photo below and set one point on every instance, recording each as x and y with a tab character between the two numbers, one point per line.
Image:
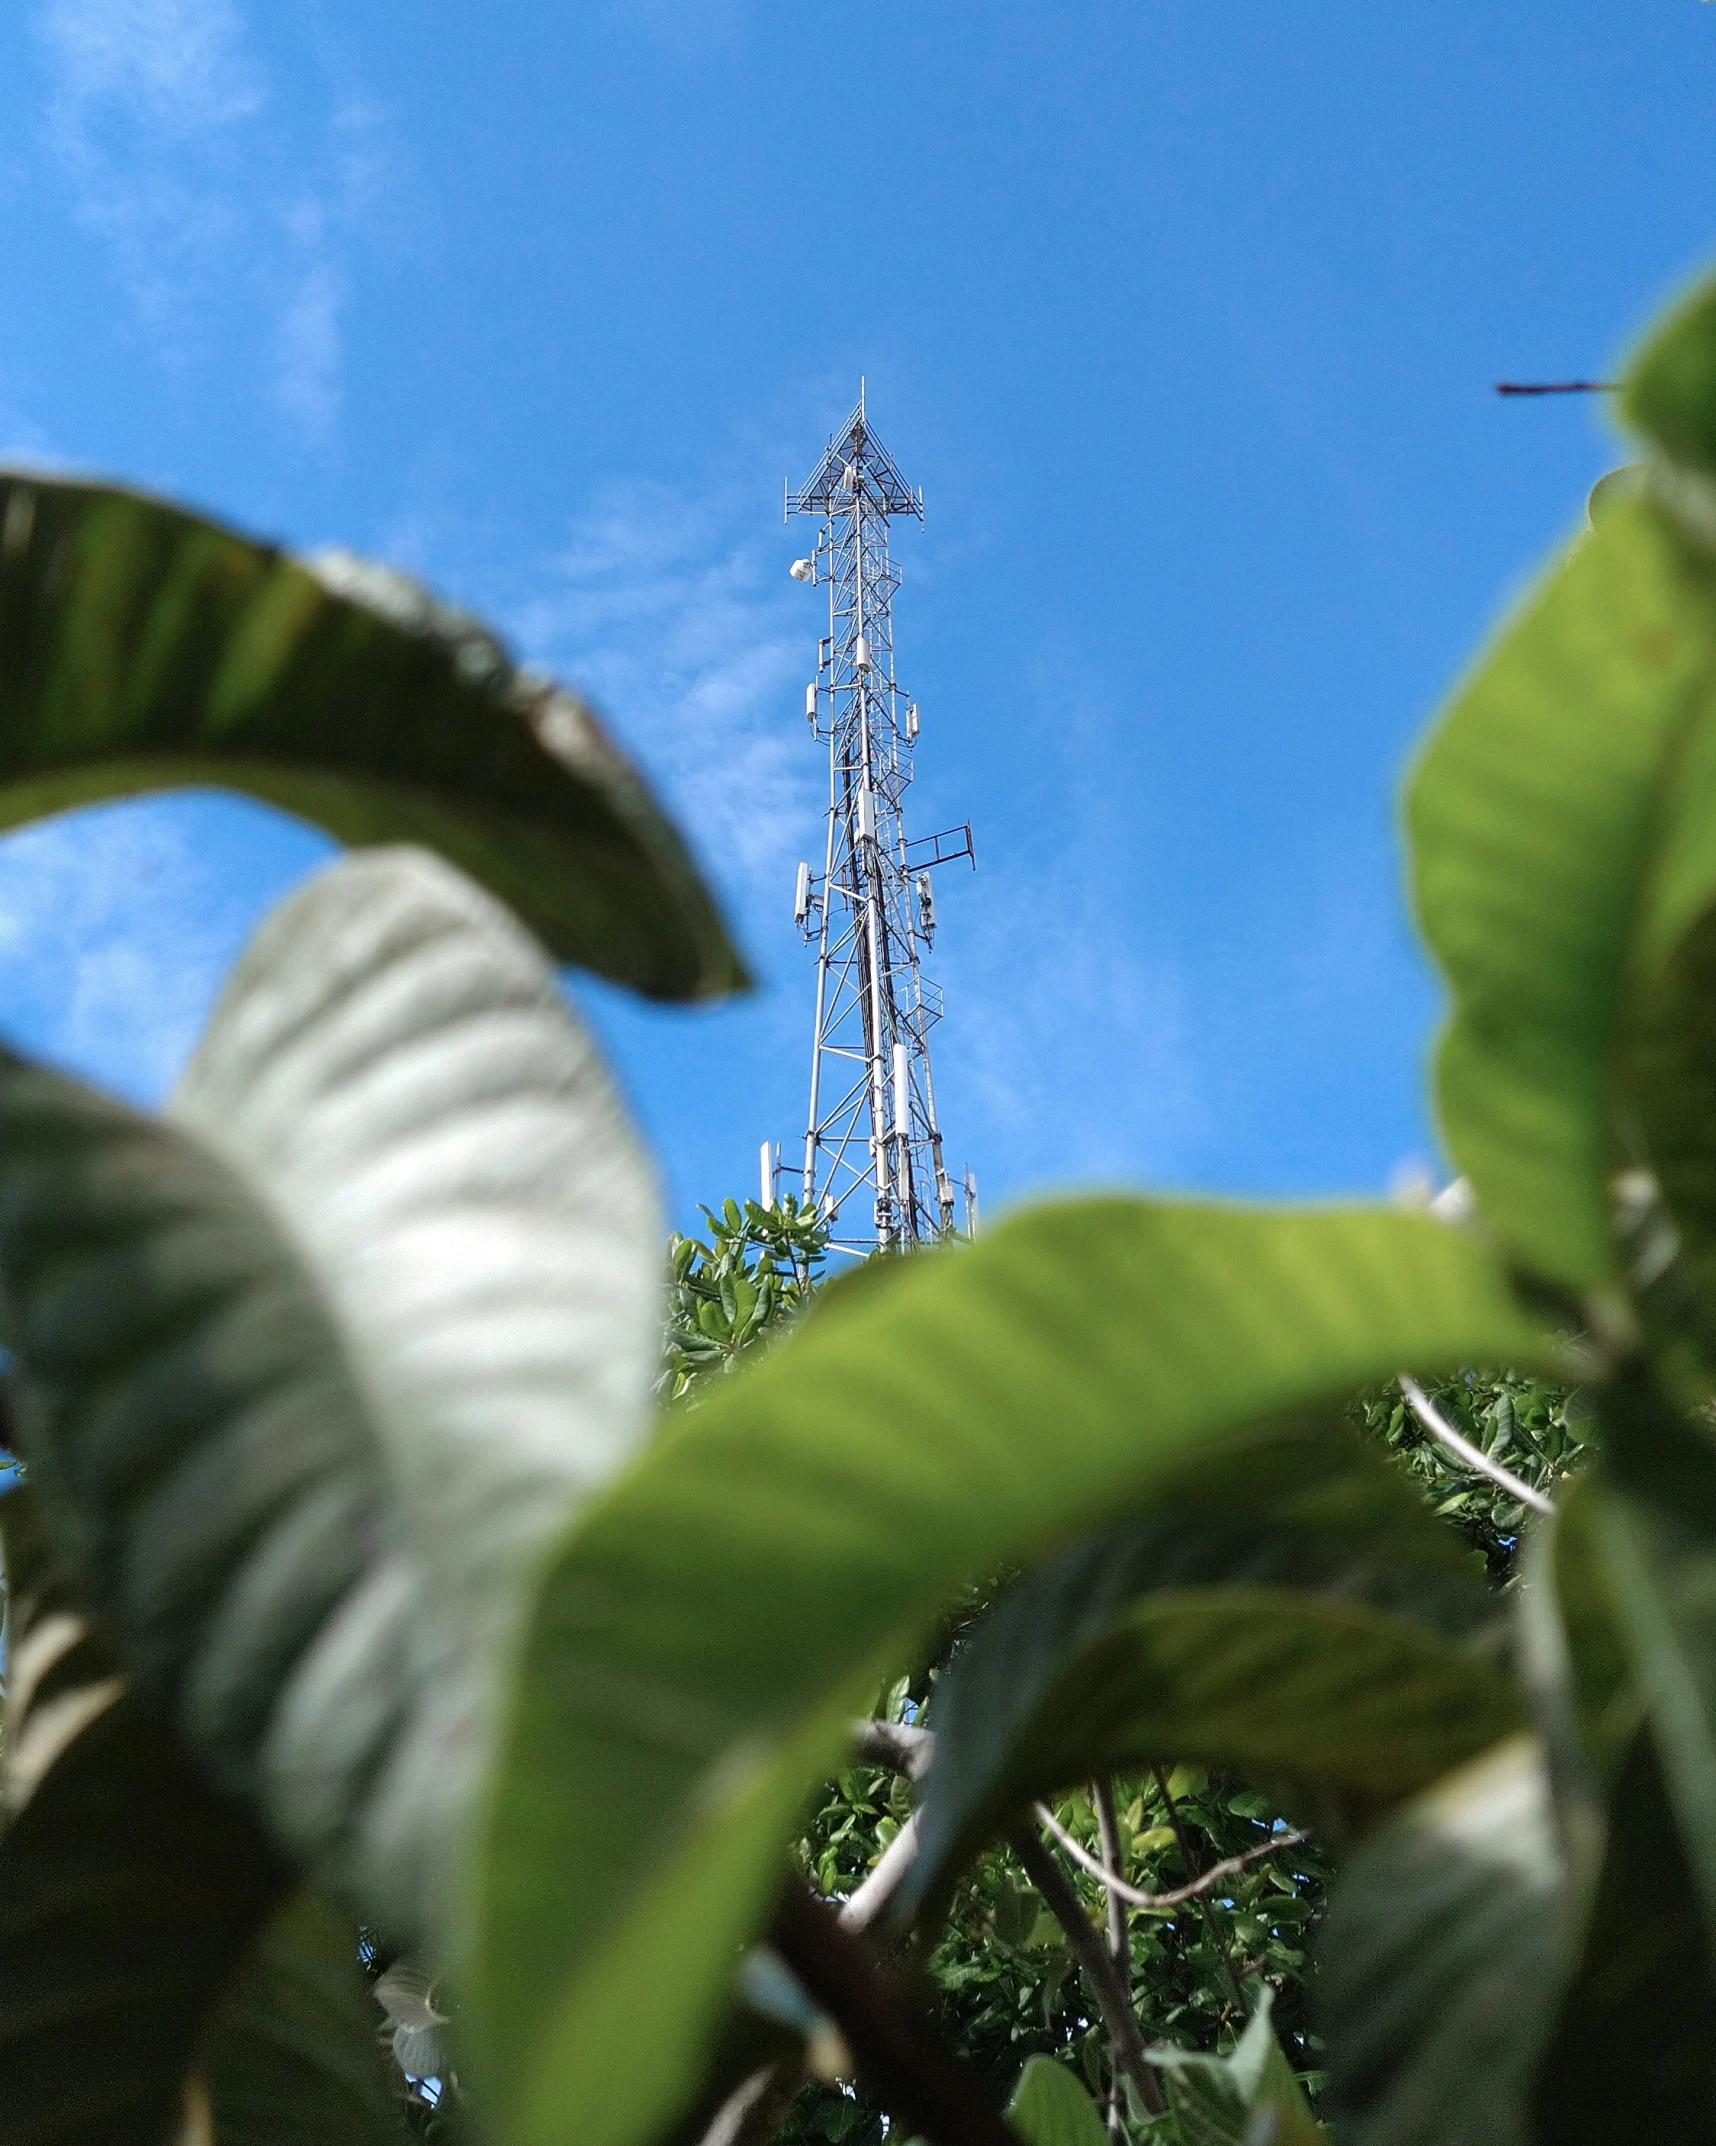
872	1146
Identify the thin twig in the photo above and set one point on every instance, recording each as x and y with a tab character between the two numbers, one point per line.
1557	387
909	2072
1206	1884
1444	1432
1084	1942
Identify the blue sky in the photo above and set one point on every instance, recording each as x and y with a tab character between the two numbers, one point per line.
1183	313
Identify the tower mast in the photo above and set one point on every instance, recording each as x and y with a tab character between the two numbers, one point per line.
873	1159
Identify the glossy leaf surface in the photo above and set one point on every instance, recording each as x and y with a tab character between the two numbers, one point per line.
708	1629
145	648
311	1371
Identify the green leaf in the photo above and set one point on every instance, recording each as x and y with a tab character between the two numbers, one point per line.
1631	2055
1438	1961
312	1371
1050	2108
1670	392
781	1549
1641	1978
130	1890
1652	1524
1533	815
1247	2098
1288	1608
1666	1060
295	2058
144	648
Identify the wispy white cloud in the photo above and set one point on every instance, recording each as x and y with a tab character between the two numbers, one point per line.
182	159
177	65
1068	1051
118	923
693	637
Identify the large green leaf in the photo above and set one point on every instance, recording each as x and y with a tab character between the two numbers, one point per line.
1631	2054
1671	388
1533	815
782	1545
130	1890
294	2057
144	648
1247	2098
1438	1962
1651	1522
1050	2108
1288	1607
311	1371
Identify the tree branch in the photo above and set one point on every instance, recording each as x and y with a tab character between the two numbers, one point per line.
907	2070
1181	1893
885	1879
1084	1941
1119	1936
899	1745
757	2107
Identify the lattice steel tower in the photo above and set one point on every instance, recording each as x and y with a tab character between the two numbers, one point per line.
873	1145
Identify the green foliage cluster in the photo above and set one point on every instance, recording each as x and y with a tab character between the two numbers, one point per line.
1537	1429
759	1266
357	1583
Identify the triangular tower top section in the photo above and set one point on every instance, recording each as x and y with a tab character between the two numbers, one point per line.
856	463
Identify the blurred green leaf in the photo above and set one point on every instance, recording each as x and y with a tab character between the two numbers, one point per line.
1287	1608
1050	2108
1247	2098
781	1547
1631	2054
145	648
295	2058
1438	1961
1652	1525
311	1370
1532	815
130	1890
1670	393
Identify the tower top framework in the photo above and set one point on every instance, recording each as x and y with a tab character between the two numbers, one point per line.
873	1162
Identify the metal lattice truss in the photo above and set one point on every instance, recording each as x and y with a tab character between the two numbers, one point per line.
873	1145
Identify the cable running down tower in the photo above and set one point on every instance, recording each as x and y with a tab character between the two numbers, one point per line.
873	1158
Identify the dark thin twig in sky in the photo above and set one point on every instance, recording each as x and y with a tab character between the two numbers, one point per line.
1556	387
